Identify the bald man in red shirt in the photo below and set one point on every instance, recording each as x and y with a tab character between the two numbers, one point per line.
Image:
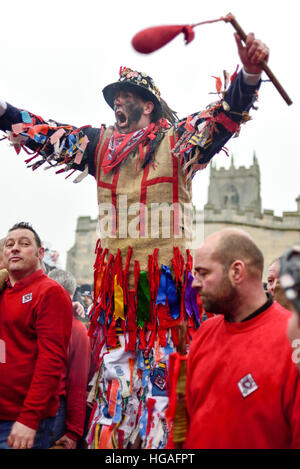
243	388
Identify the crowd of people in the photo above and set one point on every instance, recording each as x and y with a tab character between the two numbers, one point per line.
100	367
243	385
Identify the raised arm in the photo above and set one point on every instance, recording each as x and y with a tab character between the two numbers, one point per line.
203	134
57	145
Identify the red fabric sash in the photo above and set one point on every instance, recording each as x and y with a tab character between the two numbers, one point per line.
120	145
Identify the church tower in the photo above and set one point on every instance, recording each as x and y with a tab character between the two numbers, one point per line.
237	189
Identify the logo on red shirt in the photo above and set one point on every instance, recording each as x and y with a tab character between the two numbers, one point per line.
247	385
26	298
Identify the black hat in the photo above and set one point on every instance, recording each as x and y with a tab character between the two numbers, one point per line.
86	290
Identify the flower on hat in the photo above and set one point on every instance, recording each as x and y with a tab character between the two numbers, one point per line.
132	74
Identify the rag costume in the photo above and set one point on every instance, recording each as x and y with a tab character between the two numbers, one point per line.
35	325
143	269
243	389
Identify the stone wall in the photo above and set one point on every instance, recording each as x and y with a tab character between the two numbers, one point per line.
272	234
240	187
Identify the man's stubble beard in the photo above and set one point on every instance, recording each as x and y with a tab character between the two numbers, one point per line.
134	113
224	302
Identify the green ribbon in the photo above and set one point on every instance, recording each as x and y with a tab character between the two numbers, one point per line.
143	300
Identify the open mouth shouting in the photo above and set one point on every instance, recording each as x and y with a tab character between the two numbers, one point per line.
128	112
121	118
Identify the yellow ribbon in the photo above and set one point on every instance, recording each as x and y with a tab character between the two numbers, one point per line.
96	438
119	300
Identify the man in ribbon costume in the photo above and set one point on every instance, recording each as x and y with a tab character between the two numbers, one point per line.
143	277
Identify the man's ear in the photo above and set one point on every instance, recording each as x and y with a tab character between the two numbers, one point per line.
236	272
148	107
41	252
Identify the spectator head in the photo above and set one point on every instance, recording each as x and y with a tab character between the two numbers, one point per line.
86	294
65	279
273	276
23	251
23	225
229	268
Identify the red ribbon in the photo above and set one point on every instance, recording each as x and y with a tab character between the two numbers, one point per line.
175	360
150	406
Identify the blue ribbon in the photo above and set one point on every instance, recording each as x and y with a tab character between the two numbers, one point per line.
118	412
143	424
72	140
141	361
26	117
167	291
102	317
145	377
168	349
39	138
105	411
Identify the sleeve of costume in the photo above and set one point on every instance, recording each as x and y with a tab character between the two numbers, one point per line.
77	379
53	327
202	135
60	146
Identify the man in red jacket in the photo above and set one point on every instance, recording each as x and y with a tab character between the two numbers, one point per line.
243	388
35	326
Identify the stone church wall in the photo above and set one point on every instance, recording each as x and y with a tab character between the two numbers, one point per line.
233	200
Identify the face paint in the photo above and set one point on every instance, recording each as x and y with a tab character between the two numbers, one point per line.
128	111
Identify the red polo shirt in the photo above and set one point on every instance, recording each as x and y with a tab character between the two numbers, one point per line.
35	327
243	389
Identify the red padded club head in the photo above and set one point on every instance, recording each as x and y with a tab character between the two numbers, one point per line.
150	39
